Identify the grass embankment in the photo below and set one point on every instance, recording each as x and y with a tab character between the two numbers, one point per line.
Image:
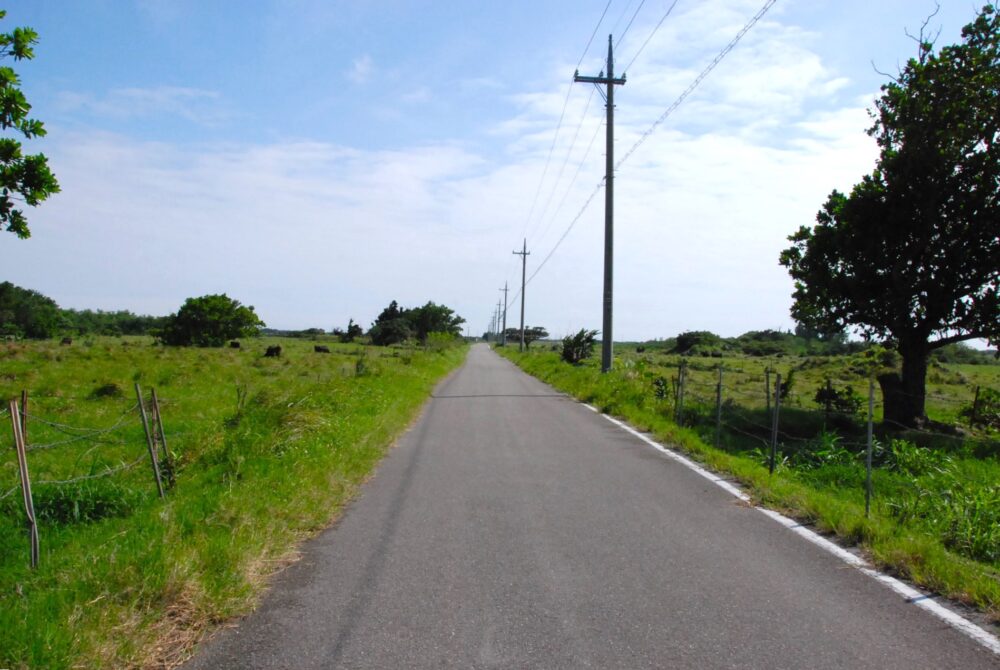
267	452
936	512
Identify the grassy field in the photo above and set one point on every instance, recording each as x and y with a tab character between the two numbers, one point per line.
936	507
267	451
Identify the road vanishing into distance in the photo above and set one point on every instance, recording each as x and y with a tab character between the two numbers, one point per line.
513	527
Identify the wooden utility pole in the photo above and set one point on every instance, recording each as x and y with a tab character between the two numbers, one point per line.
524	253
503	335
609	200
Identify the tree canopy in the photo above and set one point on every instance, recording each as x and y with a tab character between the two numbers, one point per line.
395	324
23	178
209	321
912	255
27	313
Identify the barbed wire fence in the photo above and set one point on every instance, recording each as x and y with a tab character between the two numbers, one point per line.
726	406
112	436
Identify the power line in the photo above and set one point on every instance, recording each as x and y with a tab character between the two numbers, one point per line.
625	32
593	34
576	175
562	168
664	18
663	117
694	84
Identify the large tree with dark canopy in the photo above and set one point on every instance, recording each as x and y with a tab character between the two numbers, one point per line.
912	256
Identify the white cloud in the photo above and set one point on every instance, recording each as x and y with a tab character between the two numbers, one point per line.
361	69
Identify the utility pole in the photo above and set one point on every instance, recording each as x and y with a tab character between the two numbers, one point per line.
503	333
609	199
499	334
524	253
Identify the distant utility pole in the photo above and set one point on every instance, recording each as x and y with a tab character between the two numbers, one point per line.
503	333
524	253
609	199
499	333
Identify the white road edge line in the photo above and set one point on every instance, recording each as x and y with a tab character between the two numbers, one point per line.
910	594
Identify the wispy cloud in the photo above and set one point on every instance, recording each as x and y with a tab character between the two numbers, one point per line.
193	104
361	69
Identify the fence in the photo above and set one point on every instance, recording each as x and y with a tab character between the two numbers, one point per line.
156	451
728	402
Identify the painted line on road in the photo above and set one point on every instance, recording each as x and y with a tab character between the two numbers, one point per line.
910	594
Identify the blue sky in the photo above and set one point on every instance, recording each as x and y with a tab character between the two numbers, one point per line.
319	159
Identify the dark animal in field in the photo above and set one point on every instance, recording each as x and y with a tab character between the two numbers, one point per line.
273	352
321	349
640	350
234	345
66	341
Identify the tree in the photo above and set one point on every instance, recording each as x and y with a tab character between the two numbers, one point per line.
912	256
209	321
26	179
396	325
391	326
27	313
433	318
531	333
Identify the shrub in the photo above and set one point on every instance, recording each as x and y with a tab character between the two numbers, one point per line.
210	321
577	348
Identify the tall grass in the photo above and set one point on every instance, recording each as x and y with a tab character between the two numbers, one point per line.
936	517
267	451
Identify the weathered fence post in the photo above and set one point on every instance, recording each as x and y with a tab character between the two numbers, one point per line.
774	422
718	409
22	464
767	388
681	381
149	441
158	419
975	409
868	453
24	415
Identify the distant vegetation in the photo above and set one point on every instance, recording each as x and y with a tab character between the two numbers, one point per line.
210	321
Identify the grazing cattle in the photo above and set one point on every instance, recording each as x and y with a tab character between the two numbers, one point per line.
66	341
234	345
273	352
321	349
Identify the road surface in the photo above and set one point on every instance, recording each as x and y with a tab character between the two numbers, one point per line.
512	527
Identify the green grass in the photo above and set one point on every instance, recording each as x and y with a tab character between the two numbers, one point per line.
936	509
267	452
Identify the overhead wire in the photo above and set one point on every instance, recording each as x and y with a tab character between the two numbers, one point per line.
655	29
697	81
630	21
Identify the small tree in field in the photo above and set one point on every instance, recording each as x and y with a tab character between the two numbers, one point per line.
579	347
209	321
911	256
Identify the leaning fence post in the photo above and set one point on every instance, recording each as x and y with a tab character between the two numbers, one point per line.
22	464
149	440
718	408
868	453
774	422
158	418
24	415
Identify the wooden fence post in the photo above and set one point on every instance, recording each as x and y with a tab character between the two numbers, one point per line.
868	452
149	441
158	420
718	409
774	423
767	387
975	409
681	381
22	464
24	416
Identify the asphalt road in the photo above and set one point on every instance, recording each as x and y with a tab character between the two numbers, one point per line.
512	527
